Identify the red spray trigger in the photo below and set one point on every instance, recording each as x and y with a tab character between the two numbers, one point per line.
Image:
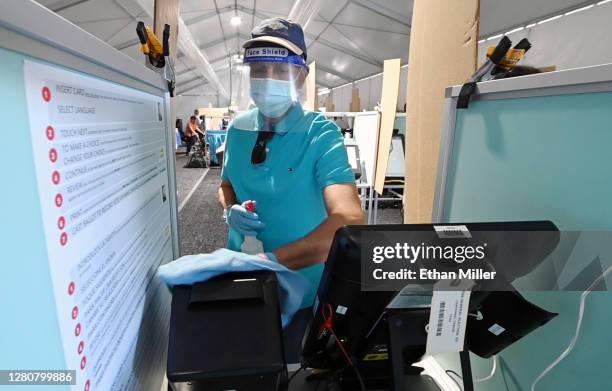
250	206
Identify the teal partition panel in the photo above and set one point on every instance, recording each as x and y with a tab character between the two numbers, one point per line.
30	333
30	337
529	158
88	208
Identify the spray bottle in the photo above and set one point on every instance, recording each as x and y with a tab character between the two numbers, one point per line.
251	244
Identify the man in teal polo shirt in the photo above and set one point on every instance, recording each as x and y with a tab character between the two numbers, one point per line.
290	161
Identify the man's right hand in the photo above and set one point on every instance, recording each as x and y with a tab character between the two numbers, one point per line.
245	222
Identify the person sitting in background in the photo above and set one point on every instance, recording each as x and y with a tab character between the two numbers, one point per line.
192	133
179	126
342	123
196	113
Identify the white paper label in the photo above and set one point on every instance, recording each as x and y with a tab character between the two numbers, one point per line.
447	321
341	310
496	329
452	231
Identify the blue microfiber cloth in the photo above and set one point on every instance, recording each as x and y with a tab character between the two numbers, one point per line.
190	269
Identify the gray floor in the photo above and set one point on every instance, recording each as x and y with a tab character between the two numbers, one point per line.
186	178
201	227
388	215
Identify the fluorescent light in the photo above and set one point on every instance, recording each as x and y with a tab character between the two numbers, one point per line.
235	20
530	25
482	40
343	85
550	19
515	30
604	2
579	9
368	77
358	80
495	37
323	91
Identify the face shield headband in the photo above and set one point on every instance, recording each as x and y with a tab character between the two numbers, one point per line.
273	54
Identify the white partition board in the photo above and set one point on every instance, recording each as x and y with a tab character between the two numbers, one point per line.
365	131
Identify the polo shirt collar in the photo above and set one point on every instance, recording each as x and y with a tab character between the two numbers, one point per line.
287	122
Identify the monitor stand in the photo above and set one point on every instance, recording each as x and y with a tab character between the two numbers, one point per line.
420	383
407	341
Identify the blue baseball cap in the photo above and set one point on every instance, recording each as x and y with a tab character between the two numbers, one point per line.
281	32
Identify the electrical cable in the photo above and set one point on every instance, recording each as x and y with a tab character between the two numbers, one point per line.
450	371
328	324
477	315
301	368
572	343
360	379
490	375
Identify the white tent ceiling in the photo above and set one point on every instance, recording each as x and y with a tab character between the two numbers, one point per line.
498	16
349	39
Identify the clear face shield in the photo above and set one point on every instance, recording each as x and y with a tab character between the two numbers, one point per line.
275	83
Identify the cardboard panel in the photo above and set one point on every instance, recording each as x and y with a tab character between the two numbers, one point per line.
329	104
439	57
355	101
390	88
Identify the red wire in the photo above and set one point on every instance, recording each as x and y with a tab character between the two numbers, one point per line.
328	325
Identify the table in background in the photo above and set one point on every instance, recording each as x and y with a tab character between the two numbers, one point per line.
215	139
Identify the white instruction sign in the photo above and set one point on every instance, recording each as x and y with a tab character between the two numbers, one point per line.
447	321
100	158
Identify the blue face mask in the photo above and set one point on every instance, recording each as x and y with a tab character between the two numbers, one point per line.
272	97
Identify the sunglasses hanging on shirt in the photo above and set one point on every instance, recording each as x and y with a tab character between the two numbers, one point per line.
260	153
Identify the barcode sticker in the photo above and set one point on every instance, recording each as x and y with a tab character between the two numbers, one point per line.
447	321
496	329
440	318
452	231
